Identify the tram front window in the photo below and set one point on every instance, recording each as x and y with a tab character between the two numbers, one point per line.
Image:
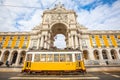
62	57
43	57
77	57
56	57
29	57
37	58
68	57
50	57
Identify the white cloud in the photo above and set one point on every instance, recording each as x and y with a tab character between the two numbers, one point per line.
101	17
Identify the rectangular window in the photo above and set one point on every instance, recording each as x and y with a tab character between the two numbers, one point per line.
77	56
56	57
49	58
17	43
68	57
37	58
62	57
29	57
9	44
43	58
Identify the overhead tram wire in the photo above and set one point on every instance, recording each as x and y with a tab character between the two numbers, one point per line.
20	6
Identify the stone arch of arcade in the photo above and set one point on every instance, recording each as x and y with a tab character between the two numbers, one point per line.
22	57
59	28
13	57
96	54
5	56
85	54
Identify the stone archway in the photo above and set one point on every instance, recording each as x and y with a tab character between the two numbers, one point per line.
85	54
104	54
59	28
22	57
96	54
113	54
5	56
14	57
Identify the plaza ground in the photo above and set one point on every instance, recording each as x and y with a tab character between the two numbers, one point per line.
109	72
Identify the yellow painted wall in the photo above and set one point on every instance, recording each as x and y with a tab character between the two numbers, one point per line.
0	38
105	40
14	41
6	41
21	41
118	37
97	39
28	41
114	43
91	41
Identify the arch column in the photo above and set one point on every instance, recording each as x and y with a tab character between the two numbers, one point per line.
18	58
41	42
69	40
72	42
45	43
109	55
48	46
76	41
1	57
80	43
38	43
100	54
9	57
90	55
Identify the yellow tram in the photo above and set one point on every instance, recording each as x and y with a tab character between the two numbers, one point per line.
50	61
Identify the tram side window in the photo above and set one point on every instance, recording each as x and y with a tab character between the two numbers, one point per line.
62	57
49	57
56	57
43	57
29	57
77	56
37	58
68	57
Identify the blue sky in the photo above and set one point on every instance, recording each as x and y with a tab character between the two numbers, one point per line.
23	15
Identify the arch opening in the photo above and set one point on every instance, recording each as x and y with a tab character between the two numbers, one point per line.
96	54
104	54
113	54
0	53
85	54
5	56
60	41
59	35
14	57
22	57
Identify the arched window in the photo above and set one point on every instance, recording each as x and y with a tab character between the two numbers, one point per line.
104	54
113	54
14	57
85	54
5	57
96	54
0	53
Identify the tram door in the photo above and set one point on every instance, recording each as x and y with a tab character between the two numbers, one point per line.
77	58
28	61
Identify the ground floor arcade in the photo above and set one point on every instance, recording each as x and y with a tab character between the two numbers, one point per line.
91	56
15	57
